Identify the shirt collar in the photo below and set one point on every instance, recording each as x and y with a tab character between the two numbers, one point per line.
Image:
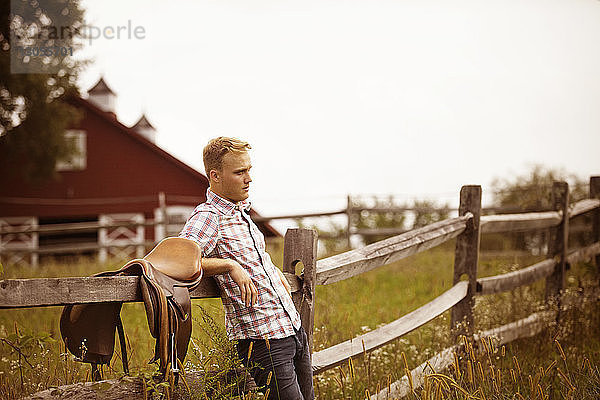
226	206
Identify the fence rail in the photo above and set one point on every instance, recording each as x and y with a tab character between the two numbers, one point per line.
355	262
514	279
337	354
583	206
75	227
526	327
489	223
519	222
300	246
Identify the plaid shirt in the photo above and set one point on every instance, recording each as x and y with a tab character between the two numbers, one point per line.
224	230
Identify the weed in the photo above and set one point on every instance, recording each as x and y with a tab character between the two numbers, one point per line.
33	357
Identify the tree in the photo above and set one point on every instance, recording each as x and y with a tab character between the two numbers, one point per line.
331	236
533	192
374	214
394	215
427	213
34	90
369	219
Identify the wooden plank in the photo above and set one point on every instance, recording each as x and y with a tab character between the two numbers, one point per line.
355	262
466	258
76	248
519	222
72	227
387	209
41	292
583	206
559	242
208	288
134	387
533	273
300	245
584	254
398	231
401	388
508	210
298	216
577	209
514	279
339	353
76	202
526	327
60	291
379	231
294	281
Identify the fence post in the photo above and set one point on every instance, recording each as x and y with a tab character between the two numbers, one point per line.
595	194
349	218
300	245
35	243
161	228
559	236
102	239
140	234
466	257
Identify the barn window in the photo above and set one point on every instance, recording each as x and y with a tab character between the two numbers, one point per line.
77	161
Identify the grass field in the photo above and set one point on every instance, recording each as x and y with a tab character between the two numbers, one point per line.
343	310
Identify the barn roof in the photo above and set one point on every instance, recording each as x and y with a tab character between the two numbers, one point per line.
112	119
143	123
142	140
100	88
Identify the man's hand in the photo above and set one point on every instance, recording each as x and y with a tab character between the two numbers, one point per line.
243	280
284	281
216	266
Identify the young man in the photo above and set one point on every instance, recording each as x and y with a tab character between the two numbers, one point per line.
259	312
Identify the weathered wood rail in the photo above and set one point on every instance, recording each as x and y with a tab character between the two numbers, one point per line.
525	327
553	269
355	262
339	353
512	280
300	246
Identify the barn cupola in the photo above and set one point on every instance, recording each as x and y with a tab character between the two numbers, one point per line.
145	128
102	96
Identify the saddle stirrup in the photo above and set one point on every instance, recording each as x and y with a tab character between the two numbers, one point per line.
123	344
174	366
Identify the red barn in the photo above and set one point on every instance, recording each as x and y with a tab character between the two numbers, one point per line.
120	176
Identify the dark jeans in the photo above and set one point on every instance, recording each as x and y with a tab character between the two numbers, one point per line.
288	358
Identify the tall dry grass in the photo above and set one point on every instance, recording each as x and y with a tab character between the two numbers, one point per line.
33	358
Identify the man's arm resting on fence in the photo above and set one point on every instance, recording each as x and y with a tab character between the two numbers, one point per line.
216	266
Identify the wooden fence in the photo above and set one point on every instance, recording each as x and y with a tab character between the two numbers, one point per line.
124	235
300	245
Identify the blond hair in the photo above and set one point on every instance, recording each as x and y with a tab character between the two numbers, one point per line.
216	149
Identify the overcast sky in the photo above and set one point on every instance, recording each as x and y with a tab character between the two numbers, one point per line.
413	98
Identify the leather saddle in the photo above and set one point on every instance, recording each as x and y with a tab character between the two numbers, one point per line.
167	274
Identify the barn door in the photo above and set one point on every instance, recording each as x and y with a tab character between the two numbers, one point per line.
17	245
121	236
